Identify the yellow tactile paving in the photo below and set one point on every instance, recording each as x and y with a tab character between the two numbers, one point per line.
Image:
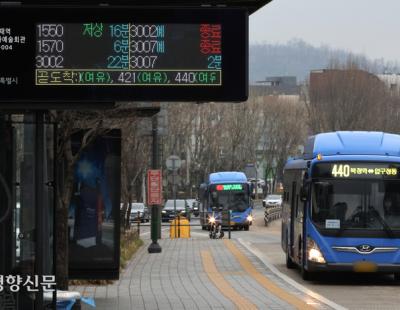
263	280
219	281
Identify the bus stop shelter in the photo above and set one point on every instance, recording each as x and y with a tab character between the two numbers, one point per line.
28	168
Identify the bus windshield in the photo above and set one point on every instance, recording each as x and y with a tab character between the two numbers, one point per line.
356	204
235	200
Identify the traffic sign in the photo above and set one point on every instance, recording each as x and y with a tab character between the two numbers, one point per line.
173	162
154	187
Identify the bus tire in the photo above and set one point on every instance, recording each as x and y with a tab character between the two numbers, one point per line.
246	227
305	275
397	276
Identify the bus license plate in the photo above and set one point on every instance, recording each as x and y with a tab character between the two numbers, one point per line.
365	267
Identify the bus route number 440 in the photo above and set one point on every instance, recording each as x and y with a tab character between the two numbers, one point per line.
341	171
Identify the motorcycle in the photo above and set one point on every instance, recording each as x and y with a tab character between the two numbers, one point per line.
215	226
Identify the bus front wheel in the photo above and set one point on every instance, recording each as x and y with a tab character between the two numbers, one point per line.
246	227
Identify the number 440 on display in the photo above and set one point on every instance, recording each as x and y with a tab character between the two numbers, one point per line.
196	78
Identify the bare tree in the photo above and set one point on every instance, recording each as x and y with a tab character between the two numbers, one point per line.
345	98
135	155
283	131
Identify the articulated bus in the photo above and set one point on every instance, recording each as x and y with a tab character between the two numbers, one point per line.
225	191
341	204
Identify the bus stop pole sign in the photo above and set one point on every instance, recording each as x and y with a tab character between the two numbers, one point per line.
154	187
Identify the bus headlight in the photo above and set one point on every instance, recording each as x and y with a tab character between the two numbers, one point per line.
314	254
211	220
249	218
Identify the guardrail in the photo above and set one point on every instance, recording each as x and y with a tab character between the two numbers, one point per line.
271	214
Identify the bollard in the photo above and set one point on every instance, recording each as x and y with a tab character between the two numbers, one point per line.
138	223
179	226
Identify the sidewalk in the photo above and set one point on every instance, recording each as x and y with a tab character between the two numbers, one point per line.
198	274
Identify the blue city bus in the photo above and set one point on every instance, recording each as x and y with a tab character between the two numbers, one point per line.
341	204
227	191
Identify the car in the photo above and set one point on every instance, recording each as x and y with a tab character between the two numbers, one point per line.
190	203
193	205
196	208
272	201
139	212
171	210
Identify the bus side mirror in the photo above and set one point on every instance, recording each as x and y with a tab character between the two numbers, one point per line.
304	193
252	191
202	190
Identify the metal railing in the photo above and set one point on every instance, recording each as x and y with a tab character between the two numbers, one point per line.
272	213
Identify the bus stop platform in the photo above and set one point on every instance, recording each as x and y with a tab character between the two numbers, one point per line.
198	274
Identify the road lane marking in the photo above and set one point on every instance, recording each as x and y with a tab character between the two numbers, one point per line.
223	285
261	256
264	281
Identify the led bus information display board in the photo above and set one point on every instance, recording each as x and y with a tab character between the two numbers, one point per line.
128	54
118	54
229	187
356	170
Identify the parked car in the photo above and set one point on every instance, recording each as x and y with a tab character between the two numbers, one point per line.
169	212
272	201
139	212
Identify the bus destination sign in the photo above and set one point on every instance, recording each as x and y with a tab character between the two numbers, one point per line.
120	54
357	170
229	187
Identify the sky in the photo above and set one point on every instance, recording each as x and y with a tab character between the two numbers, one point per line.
369	27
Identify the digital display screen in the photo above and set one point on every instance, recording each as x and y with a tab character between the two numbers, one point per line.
109	54
357	170
129	54
229	187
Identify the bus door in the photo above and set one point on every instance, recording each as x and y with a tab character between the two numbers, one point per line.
292	218
298	213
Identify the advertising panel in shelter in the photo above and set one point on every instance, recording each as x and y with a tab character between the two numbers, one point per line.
93	222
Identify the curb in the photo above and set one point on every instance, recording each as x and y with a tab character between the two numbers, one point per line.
287	279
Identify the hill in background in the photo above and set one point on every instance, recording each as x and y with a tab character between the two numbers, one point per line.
298	58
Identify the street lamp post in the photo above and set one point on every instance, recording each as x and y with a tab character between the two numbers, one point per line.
154	247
